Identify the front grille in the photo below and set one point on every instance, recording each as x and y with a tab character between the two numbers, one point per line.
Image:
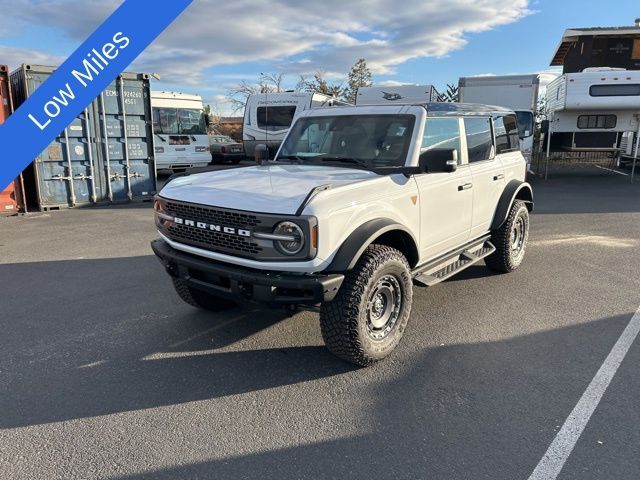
209	240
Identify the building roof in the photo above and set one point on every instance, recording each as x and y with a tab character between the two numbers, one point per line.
571	35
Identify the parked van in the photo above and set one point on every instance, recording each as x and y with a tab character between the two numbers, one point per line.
400	95
591	110
268	116
517	92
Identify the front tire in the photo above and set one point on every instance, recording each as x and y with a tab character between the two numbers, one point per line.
510	240
199	299
367	319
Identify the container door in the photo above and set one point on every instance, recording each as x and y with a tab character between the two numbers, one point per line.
64	170
125	126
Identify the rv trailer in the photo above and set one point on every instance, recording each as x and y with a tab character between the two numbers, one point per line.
400	95
516	92
590	110
268	116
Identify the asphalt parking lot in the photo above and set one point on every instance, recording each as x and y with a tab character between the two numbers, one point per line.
105	373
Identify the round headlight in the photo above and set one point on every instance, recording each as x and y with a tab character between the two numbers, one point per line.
294	241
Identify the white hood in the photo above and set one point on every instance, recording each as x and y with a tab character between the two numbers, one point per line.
276	189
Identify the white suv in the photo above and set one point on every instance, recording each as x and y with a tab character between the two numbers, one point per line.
360	204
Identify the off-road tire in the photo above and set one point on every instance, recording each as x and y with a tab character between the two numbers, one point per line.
344	321
505	259
199	299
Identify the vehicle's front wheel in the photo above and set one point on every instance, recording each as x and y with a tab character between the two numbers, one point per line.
510	240
367	319
199	299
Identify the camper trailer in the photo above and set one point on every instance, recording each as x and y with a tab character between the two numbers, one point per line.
590	110
268	116
516	92
400	95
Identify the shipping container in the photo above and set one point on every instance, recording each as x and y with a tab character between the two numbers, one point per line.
105	155
11	198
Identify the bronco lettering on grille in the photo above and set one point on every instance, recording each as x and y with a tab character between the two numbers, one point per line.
214	228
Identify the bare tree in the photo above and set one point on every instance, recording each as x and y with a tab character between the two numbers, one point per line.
319	84
267	83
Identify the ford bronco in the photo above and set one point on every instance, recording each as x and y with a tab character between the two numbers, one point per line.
359	205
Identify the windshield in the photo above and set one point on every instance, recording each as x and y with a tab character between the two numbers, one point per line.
525	124
369	141
179	121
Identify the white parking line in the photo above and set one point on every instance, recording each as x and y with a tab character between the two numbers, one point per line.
612	170
554	459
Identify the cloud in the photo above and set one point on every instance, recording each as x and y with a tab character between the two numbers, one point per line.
14	57
295	35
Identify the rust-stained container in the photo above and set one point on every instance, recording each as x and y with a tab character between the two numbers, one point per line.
11	200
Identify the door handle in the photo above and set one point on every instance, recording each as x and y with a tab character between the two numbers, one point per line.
466	186
500	176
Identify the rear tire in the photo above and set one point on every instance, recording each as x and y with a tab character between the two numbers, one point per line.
199	299
367	319
510	240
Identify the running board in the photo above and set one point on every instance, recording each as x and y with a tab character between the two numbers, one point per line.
445	267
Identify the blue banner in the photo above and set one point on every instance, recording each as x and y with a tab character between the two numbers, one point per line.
80	79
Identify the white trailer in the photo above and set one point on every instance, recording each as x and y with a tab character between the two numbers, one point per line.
180	131
400	95
590	110
516	92
268	116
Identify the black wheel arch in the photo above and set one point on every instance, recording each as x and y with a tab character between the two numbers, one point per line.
514	190
382	231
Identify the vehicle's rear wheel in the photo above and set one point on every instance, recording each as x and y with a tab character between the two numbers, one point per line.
510	240
199	299
367	319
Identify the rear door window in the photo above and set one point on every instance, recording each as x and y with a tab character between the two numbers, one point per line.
479	138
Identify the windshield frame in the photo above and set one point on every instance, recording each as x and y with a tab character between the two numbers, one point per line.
300	126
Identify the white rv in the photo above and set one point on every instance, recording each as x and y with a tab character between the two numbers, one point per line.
516	92
180	131
400	95
591	110
268	116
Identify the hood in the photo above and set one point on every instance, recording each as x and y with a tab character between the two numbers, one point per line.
277	189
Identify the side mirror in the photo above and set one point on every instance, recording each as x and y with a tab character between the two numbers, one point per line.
261	153
544	126
439	160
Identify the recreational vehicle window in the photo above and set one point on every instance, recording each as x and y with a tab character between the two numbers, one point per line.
179	121
623	90
597	121
479	138
276	117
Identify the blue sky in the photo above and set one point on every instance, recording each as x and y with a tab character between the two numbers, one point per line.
215	45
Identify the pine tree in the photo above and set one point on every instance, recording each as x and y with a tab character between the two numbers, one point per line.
359	76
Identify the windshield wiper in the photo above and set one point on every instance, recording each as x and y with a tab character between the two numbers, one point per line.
295	158
354	161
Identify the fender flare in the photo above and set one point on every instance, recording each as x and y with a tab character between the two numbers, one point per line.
357	242
514	189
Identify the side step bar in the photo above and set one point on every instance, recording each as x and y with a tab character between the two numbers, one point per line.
450	264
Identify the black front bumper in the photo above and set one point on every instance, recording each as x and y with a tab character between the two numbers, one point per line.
242	283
